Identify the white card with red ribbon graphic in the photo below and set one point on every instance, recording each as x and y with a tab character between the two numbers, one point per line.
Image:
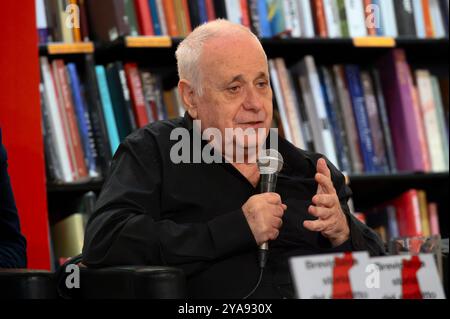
331	276
357	276
406	277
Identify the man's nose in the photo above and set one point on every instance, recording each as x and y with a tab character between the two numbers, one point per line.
252	102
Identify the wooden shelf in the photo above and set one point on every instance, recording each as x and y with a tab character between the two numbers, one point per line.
58	48
144	42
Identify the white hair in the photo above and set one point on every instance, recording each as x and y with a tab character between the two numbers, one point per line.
190	49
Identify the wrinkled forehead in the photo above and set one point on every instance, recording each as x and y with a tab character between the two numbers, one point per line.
226	56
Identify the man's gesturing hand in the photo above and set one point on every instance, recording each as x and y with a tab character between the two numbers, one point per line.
264	214
331	221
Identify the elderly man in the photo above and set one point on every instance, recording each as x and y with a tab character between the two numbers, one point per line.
209	218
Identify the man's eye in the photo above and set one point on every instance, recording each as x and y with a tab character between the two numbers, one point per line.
234	89
262	85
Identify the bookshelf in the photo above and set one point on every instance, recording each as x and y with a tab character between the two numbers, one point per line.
158	53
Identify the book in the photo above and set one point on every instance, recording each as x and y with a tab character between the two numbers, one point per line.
320	22
84	122
56	125
430	121
355	18
362	122
144	17
108	112
405	18
349	119
388	18
408	214
137	96
315	106
107	27
396	80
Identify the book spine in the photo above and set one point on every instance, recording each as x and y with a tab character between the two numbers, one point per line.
374	123
96	114
84	123
430	120
245	15
405	18
320	22
442	119
108	112
264	19
210	10
171	19
254	16
41	21
56	124
436	17
389	19
429	30
203	12
84	25
362	122
144	17
324	128
289	99
384	121
155	17
350	125
355	18
162	17
419	18
332	18
343	18
64	120
53	163
332	107
135	85
280	102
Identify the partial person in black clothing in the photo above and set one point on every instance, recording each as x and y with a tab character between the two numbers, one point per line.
209	219
12	243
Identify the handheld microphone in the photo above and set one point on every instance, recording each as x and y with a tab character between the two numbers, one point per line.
270	163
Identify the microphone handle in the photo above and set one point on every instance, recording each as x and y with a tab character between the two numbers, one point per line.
267	185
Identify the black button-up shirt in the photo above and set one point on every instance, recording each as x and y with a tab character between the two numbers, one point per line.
12	242
154	212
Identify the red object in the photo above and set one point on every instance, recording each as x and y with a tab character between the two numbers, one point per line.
410	284
320	21
342	288
20	119
408	214
137	95
144	17
210	10
245	14
171	19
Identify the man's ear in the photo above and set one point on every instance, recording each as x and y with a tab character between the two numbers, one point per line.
187	95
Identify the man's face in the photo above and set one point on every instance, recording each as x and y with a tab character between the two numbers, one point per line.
236	88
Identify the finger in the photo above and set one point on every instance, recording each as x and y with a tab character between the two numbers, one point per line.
274	234
322	167
284	206
272	198
326	183
315	225
279	212
320	212
277	223
324	200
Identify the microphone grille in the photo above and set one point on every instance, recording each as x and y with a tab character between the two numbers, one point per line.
270	161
